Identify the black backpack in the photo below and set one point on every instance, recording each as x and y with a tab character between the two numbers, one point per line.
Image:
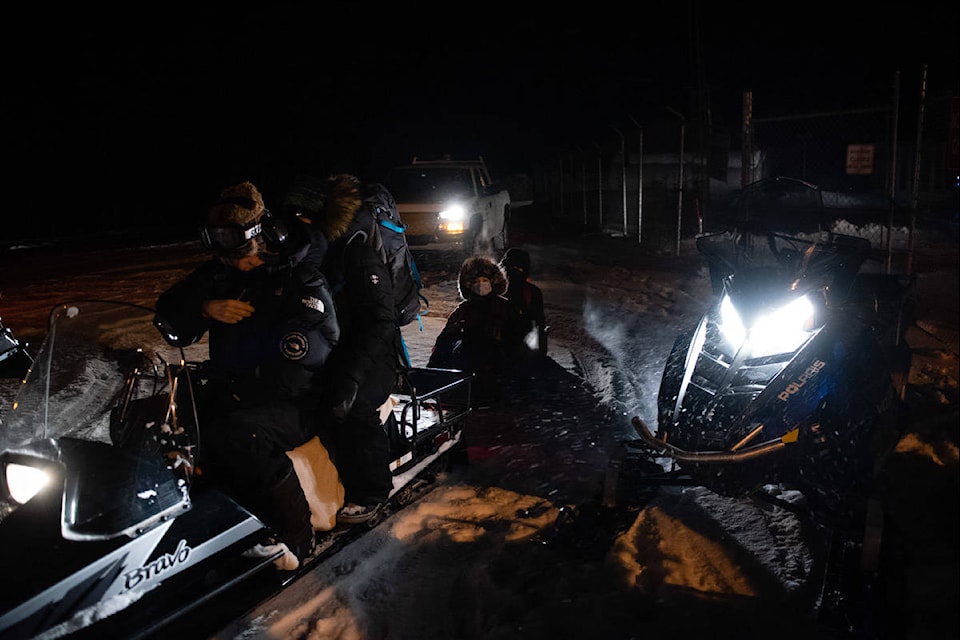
390	240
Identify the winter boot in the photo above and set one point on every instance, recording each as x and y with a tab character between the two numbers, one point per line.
284	509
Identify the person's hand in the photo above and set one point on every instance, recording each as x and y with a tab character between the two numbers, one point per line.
227	311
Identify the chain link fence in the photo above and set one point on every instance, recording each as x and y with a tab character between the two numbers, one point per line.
876	173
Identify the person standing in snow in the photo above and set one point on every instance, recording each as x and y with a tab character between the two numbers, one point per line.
271	324
526	297
363	368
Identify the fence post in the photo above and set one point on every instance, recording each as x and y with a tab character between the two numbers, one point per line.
639	186
683	126
623	178
915	199
746	141
583	185
560	187
599	185
893	167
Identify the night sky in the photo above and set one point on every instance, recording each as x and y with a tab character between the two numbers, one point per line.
116	116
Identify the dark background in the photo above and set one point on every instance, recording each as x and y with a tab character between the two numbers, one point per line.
120	120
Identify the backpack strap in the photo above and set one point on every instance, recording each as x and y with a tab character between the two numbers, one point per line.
393	226
404	353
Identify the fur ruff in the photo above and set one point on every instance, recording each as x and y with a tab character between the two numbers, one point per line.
475	267
343	202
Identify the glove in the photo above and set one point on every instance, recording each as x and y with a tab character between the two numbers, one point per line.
344	398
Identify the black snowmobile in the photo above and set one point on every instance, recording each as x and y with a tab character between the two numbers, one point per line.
795	377
106	527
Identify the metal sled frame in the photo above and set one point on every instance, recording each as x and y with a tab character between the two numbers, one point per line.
430	407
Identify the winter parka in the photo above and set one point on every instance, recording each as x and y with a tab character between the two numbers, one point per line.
526	297
485	332
278	350
362	370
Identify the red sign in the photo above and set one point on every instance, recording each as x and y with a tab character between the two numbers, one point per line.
859	159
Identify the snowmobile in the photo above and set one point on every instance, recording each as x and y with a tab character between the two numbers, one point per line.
795	375
794	378
107	525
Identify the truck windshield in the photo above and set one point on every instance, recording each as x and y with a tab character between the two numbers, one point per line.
429	184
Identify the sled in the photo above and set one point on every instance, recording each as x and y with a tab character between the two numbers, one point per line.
125	538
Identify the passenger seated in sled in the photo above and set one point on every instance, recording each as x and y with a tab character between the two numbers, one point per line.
484	334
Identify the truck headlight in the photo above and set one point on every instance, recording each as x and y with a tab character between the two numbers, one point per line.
453	212
452	218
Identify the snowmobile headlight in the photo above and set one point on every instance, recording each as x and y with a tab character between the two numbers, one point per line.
25	481
781	331
784	330
731	326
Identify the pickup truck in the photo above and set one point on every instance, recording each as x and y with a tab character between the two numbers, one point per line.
450	200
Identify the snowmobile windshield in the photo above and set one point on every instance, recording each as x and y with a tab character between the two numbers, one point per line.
78	373
60	421
807	261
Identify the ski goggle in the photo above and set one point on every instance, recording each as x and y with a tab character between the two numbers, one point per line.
231	237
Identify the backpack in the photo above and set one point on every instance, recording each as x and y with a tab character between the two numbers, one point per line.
390	240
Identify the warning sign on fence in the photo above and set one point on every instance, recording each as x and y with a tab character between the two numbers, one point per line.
859	159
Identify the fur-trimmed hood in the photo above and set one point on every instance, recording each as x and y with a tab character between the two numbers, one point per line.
475	267
331	204
517	259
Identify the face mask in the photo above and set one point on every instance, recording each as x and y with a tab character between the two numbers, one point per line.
483	288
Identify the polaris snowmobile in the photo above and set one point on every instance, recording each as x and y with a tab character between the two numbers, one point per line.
795	375
794	378
107	528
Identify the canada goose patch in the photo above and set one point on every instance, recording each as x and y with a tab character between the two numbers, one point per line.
294	346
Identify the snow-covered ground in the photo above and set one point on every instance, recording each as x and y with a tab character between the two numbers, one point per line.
514	545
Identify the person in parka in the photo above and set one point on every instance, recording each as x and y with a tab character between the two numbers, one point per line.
526	297
271	324
484	333
363	368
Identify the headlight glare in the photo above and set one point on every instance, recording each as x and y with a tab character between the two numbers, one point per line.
24	481
454	212
731	326
784	330
781	331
